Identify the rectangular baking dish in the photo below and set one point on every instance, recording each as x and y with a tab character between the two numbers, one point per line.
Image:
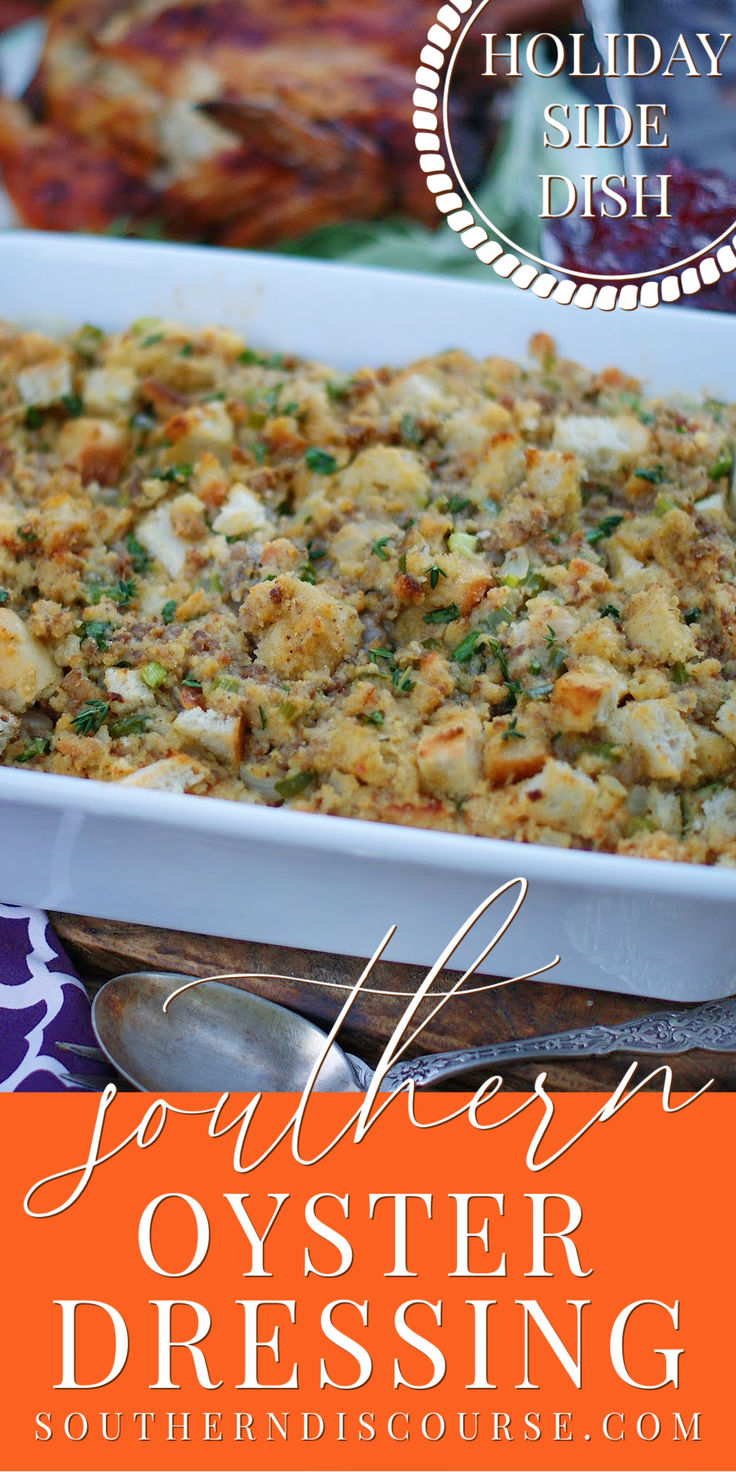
333	884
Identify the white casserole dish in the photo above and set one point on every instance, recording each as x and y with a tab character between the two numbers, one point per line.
334	884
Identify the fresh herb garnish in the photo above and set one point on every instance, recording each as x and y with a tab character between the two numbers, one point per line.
320	461
464	651
187	350
680	673
374	718
139	557
177	475
261	360
152	339
39	746
338	392
263	716
400	679
33	417
556	654
74	405
291	786
315	552
693	616
379	548
191	682
135	724
446	615
93	714
610	610
411	431
307	574
122	592
168	612
604	528
259	451
655	476
4	595
456	504
27	533
434	573
512	733
98	630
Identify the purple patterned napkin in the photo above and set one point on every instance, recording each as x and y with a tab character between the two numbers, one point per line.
42	1004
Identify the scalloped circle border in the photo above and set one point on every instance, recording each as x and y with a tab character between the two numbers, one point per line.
686	278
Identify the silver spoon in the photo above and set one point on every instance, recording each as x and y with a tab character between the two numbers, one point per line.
218	1038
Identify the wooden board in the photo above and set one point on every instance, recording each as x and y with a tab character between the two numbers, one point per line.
103	948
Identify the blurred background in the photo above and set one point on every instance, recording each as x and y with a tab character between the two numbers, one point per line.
286	125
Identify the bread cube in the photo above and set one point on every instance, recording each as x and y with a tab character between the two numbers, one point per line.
95	447
172	774
220	736
605	445
203	427
653	623
449	756
586	696
241	514
108	389
132	692
656	733
45	382
27	670
9	727
299	628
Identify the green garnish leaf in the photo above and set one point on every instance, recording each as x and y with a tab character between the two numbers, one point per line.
260	453
93	714
152	339
411	431
610	610
263	716
604	528
464	651
338	392
139	557
375	654
177	475
446	615
39	746
315	552
187	350
655	476
97	629
290	787
168	612
191	682
136	724
73	404
33	417
374	718
4	595
307	574
456	504
320	461
434	573
680	673
121	592
379	548
693	616
512	733
27	533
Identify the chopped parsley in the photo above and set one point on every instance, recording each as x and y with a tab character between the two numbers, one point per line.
400	679
411	431
176	475
33	417
140	560
604	528
27	533
680	673
655	476
456	504
122	592
290	787
191	682
693	616
379	548
97	629
338	392
446	615
93	714
307	574
74	405
374	718
464	651
152	339
610	610
263	716
4	595
187	350
556	654
261	360
320	461
168	612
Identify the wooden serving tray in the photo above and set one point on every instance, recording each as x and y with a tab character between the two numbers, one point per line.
103	948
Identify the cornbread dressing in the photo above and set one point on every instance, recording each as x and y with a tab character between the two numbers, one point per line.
467	595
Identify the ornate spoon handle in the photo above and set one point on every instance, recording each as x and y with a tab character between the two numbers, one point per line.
712	1026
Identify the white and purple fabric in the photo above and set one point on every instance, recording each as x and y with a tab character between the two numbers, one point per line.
42	1004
